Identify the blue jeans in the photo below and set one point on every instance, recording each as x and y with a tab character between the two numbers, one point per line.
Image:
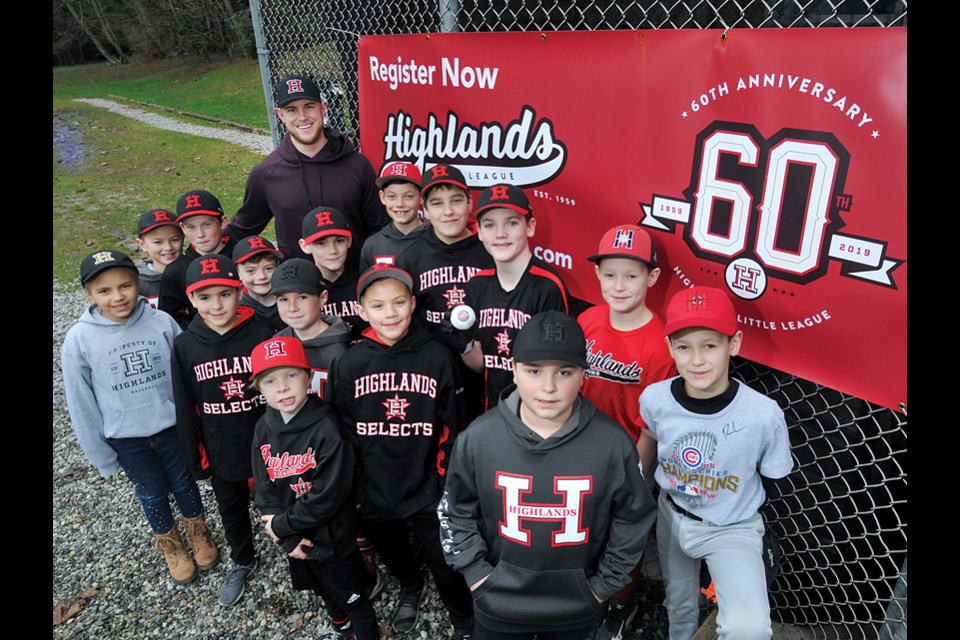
155	466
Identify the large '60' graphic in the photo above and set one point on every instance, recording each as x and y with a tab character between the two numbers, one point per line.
795	183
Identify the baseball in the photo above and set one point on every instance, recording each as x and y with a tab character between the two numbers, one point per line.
462	317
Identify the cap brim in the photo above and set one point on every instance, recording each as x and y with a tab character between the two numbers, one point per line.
435	183
481	210
247	256
200	212
380	182
600	256
213	282
171	223
330	232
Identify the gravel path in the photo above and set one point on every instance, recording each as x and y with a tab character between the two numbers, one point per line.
260	143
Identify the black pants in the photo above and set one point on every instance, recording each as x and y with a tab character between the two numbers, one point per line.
341	584
233	501
392	540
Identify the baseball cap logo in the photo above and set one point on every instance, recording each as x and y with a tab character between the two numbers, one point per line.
697	302
161	216
291	271
257	243
439	171
499	193
102	256
623	239
295	86
209	266
274	349
398	169
193	202
552	333
324	219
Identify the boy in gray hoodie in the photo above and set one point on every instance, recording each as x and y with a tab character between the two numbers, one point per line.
116	374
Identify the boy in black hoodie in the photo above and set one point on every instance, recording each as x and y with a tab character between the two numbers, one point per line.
399	395
304	476
545	511
215	409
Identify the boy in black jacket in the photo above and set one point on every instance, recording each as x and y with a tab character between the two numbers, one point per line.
215	409
545	511
399	395
304	477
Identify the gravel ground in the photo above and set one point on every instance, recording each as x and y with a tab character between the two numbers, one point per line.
101	541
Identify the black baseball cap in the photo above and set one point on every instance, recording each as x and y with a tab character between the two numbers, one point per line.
503	196
380	271
297	274
198	203
99	261
443	174
551	336
297	87
154	219
209	271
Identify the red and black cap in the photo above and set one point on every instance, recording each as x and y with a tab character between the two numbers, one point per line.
503	196
380	271
198	203
212	270
626	241
399	172
297	87
154	219
443	174
254	245
99	261
325	221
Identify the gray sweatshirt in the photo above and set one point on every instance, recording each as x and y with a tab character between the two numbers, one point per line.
117	379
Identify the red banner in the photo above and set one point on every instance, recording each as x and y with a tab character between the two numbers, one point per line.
768	162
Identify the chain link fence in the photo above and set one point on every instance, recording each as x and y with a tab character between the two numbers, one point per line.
841	513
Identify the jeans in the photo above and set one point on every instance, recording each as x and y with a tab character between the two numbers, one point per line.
156	469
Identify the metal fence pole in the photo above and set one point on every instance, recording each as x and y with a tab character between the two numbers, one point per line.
263	56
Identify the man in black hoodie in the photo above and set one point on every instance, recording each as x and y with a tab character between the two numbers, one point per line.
313	166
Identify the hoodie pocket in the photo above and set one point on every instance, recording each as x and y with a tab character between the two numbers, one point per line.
548	597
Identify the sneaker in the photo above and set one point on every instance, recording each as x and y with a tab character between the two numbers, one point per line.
617	621
408	611
236	582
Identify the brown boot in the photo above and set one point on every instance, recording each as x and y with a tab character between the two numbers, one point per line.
181	566
198	533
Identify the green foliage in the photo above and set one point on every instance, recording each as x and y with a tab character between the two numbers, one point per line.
229	89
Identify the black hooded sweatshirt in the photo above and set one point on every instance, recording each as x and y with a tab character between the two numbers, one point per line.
286	185
402	407
215	406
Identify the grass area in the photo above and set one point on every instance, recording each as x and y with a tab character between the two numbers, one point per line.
227	89
107	170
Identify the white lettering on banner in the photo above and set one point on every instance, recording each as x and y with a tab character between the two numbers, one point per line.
401	72
557	258
455	75
527	147
569	513
815	89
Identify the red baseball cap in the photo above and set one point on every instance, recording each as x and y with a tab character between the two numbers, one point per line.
278	351
626	241
705	307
